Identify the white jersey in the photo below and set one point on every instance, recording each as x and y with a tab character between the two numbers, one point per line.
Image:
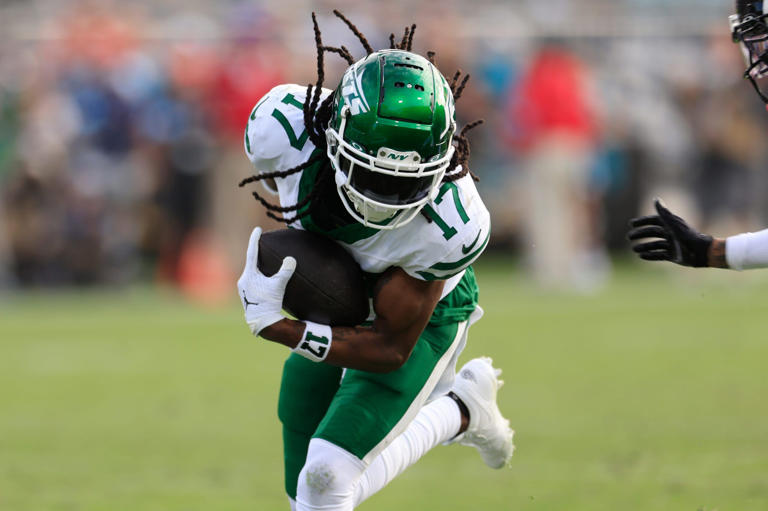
438	245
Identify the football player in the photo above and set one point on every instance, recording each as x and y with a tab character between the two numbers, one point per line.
377	166
667	237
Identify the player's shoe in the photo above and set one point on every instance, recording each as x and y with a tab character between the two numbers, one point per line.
476	385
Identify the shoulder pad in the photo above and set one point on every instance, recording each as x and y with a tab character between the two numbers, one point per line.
458	233
275	137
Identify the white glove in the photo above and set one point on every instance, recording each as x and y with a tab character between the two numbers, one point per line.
262	296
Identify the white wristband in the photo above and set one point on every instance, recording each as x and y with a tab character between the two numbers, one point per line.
315	343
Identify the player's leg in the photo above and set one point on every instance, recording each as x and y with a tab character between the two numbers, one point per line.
368	412
470	416
306	391
436	423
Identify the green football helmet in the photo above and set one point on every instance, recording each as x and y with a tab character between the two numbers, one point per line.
390	137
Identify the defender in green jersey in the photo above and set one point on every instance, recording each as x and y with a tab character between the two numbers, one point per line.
376	165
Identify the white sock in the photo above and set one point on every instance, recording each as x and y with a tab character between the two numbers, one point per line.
437	422
292	503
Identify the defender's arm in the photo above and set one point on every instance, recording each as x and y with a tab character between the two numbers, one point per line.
667	237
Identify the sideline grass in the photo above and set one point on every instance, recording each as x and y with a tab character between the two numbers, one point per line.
647	396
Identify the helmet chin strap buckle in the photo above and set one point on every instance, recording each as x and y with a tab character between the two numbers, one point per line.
340	178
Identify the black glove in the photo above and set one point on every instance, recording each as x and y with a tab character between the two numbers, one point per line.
679	243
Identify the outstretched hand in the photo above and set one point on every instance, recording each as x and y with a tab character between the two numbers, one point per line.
667	237
262	296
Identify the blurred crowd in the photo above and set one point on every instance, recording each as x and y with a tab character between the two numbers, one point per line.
121	129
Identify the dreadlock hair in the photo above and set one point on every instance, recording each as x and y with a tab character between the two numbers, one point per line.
461	155
355	31
406	42
317	116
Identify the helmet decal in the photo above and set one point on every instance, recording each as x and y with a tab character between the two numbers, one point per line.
450	115
351	86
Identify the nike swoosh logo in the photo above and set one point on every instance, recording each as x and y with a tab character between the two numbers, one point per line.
465	250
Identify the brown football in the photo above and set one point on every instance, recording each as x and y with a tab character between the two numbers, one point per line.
328	285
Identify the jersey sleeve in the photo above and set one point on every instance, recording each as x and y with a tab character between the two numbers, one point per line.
747	250
456	235
275	136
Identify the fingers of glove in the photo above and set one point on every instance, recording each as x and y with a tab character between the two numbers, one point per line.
651	246
658	255
667	216
252	255
286	270
649	231
661	208
646	220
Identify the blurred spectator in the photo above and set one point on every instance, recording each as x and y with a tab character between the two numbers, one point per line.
121	125
555	130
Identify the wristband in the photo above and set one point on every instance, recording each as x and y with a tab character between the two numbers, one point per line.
315	343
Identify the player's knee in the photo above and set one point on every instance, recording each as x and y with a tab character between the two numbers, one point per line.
319	478
329	477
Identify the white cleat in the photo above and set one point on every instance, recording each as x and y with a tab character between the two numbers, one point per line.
476	385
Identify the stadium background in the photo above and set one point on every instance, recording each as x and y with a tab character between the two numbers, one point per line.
127	379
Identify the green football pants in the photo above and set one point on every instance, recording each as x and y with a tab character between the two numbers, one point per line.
363	412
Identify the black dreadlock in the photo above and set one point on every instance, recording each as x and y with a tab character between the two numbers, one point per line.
317	116
355	31
343	52
316	119
404	40
410	37
461	155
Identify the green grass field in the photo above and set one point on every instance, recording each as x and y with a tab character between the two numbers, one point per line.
650	395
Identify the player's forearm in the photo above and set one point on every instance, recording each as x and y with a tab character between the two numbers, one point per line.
358	347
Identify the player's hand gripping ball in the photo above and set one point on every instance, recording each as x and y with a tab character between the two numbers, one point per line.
261	295
327	286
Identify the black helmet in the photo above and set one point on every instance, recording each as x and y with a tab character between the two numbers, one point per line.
749	29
